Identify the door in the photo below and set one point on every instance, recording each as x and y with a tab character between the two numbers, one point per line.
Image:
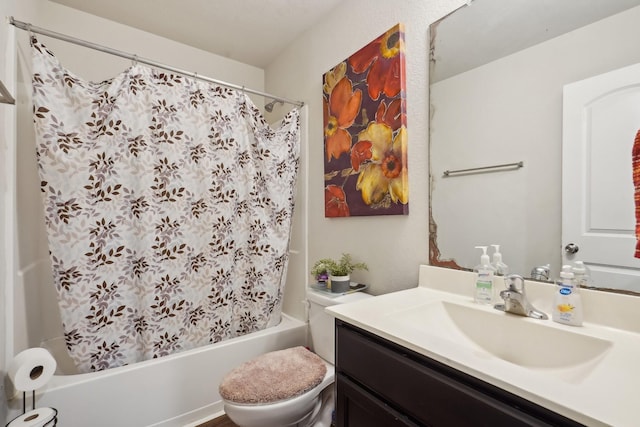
600	119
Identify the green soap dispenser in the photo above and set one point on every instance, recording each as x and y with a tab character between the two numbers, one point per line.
484	280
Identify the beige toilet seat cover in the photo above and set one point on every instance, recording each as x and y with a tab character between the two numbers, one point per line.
274	376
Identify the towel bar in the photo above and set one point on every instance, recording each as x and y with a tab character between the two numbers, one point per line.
516	165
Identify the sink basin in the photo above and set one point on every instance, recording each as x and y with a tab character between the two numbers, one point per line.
528	343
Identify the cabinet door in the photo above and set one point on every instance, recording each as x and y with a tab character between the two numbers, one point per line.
357	408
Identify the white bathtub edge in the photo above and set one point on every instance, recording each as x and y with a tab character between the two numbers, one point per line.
169	392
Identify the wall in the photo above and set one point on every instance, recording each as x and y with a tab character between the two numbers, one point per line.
393	246
7	195
512	111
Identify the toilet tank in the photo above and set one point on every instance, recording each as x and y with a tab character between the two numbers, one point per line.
321	324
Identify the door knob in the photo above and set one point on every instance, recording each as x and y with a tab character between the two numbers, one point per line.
571	248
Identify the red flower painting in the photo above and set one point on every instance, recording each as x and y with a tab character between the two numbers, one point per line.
365	131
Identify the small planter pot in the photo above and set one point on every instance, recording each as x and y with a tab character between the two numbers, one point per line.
340	284
322	279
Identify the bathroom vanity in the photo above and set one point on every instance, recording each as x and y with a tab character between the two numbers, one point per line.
380	383
429	356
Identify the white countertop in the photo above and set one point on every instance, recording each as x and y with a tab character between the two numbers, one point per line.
603	390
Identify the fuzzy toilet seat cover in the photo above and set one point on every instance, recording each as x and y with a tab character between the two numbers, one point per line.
274	376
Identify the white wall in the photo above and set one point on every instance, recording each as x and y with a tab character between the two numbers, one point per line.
393	246
506	111
7	195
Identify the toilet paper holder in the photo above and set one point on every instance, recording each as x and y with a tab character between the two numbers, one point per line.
28	371
41	417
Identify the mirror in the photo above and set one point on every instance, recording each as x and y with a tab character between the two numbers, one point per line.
497	73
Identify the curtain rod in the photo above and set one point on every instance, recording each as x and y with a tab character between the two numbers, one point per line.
28	27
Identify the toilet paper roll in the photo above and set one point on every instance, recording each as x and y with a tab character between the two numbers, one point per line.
39	417
31	369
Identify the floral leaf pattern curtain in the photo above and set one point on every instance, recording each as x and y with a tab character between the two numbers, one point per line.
168	205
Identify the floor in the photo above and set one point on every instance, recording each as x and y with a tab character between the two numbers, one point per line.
222	421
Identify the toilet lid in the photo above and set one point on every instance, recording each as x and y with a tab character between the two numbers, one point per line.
274	376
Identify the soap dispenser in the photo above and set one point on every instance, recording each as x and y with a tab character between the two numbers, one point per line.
484	280
567	304
501	269
581	274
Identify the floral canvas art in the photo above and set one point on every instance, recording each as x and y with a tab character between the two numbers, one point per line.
365	131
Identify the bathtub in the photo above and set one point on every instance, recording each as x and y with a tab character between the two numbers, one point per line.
172	391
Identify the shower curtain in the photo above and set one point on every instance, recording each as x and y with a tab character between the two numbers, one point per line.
168	205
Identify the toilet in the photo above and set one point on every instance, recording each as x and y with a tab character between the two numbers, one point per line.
253	401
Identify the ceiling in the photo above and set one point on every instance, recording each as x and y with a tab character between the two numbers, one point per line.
255	31
250	31
485	30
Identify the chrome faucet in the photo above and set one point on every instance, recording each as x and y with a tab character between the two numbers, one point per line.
515	299
541	273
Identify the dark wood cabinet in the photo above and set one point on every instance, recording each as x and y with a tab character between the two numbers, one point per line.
380	383
360	408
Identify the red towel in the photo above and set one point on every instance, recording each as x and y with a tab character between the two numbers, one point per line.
636	184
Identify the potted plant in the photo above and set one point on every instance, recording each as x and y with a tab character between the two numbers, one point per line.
320	270
339	271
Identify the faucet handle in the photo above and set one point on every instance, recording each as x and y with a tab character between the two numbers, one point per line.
512	284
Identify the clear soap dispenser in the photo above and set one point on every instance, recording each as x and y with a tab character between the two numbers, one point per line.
501	268
484	280
581	274
567	304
